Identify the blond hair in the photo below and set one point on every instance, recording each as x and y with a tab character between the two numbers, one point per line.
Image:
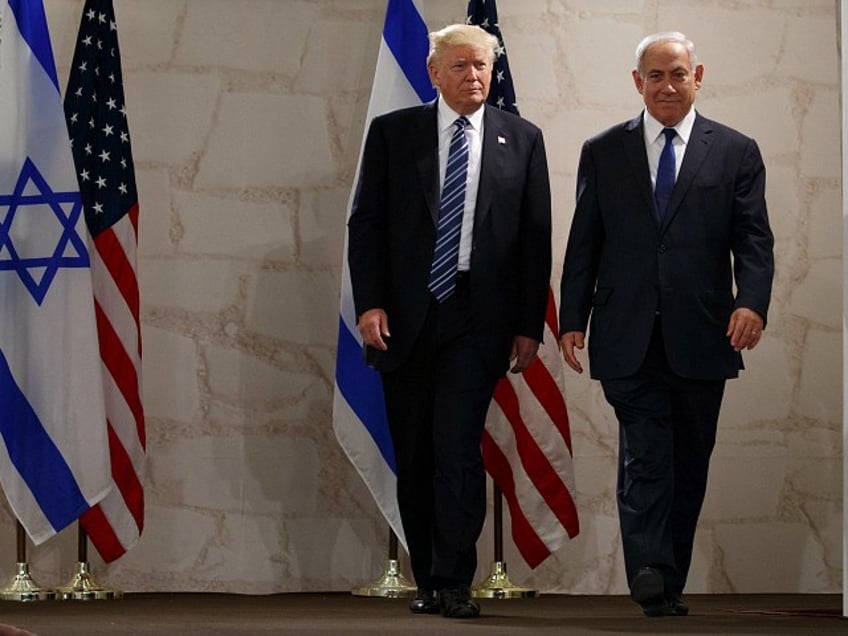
461	35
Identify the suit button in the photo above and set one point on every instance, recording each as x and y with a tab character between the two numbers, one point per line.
661	249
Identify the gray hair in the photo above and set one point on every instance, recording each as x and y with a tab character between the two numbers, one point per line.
461	35
665	36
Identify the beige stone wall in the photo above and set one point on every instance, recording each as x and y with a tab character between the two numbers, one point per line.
246	118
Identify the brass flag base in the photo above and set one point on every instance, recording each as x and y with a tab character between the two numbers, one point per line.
498	585
392	584
83	587
23	588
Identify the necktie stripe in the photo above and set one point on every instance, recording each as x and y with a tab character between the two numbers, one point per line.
449	200
445	240
453	180
446	253
442	259
458	158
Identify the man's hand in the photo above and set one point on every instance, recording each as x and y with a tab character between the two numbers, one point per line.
523	351
568	342
373	327
745	329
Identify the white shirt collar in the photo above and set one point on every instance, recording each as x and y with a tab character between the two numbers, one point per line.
447	116
653	128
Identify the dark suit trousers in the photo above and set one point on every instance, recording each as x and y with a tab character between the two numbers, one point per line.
437	403
667	431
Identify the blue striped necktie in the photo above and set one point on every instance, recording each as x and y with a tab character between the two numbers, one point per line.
666	174
446	255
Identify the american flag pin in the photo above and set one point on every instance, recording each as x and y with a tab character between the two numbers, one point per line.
501	140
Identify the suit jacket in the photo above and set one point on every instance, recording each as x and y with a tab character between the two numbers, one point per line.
621	267
392	231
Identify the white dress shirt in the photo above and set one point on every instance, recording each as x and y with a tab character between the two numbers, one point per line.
654	141
474	134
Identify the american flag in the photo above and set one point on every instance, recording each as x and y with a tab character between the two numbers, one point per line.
527	440
97	122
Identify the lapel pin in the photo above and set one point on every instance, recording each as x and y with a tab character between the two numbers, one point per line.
501	140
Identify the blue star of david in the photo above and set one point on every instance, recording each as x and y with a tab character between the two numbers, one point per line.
37	270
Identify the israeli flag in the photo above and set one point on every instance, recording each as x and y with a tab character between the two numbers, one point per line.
54	461
359	413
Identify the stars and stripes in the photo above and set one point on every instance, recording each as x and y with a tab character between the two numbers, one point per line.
527	440
502	91
97	121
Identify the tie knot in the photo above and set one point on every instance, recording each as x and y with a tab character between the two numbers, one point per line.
669	133
462	122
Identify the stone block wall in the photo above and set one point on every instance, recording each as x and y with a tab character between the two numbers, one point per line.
246	119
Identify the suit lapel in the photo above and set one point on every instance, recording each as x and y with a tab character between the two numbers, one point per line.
634	147
700	142
425	143
492	161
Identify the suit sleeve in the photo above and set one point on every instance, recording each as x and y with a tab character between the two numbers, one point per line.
367	226
582	253
752	242
535	243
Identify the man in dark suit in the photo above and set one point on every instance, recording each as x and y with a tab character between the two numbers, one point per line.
450	257
658	240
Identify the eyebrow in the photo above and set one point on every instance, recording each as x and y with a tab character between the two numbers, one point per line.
676	69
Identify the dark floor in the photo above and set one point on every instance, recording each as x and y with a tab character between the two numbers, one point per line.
341	613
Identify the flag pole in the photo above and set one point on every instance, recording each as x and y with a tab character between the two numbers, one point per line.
82	586
392	583
22	587
498	584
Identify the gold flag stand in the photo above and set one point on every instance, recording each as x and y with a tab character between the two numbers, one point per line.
392	584
22	587
498	584
82	586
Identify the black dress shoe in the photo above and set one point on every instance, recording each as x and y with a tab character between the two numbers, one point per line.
676	606
425	602
456	602
654	610
648	586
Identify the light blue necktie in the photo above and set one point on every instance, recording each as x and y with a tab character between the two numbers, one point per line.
446	255
665	174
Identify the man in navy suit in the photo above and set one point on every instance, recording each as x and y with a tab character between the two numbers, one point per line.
655	248
441	345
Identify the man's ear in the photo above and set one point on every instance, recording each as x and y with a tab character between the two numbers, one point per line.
639	82
699	74
433	72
